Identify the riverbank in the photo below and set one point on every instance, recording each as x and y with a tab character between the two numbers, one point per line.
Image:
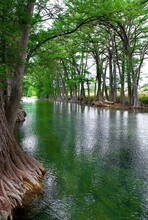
92	101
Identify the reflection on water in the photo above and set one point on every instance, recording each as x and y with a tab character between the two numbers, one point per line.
96	161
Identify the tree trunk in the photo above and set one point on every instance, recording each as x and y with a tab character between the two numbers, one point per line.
95	88
122	78
88	88
19	173
67	77
111	90
16	82
82	90
115	82
130	100
63	89
99	76
136	102
104	81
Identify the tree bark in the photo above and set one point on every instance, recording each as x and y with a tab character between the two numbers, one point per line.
19	172
16	82
122	76
99	76
111	90
136	102
67	77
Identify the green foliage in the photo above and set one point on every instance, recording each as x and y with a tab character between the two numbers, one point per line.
61	63
143	98
31	92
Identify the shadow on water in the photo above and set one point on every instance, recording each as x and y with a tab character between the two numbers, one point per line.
96	162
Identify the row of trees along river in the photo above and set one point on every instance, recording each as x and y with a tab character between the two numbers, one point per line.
102	58
52	45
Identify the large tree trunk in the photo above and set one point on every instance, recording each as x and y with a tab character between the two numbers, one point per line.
16	82
19	173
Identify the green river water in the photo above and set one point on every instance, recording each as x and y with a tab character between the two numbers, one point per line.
96	161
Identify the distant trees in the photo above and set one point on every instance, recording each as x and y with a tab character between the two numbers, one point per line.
113	39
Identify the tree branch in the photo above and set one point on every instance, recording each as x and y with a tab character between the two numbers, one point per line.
59	35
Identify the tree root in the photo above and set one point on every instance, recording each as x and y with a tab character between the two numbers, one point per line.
100	104
13	190
16	182
20	174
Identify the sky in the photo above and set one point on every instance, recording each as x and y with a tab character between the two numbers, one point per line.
144	73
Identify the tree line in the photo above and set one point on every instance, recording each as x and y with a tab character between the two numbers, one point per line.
111	39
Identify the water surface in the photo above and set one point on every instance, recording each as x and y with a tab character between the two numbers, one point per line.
96	161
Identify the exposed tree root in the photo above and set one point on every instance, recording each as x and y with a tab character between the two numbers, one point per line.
20	174
100	104
15	185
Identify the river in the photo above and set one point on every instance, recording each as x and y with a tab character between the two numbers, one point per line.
96	161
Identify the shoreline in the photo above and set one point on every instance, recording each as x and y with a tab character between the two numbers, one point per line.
93	103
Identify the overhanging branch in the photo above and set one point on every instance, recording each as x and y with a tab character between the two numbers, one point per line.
59	35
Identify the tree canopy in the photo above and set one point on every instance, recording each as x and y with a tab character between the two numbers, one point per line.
112	35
